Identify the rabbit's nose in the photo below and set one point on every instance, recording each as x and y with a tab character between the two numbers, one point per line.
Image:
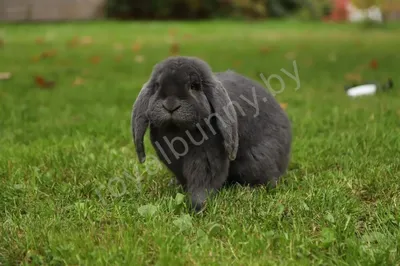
171	105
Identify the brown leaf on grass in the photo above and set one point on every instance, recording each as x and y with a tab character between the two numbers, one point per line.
5	75
78	81
139	58
118	47
264	50
187	36
118	58
237	63
136	47
45	54
44	84
49	53
284	106
172	32
74	42
373	64
309	62
39	40
95	59
174	49
290	55
353	77
360	68
36	58
86	40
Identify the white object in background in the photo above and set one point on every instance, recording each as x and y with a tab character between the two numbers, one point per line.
368	89
355	14
373	13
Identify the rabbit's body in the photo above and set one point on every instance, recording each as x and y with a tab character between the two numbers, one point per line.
264	132
207	156
198	134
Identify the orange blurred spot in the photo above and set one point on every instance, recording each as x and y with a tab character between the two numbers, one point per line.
136	47
174	49
374	64
95	59
43	84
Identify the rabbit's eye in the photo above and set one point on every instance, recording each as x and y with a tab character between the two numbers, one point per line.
195	86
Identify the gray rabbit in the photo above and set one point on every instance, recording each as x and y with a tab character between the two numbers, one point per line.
211	129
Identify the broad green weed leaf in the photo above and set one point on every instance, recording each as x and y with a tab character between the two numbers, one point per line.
147	210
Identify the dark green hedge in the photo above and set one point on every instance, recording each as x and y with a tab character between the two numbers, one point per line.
199	9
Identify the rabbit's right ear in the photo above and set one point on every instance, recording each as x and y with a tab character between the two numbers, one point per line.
139	120
228	124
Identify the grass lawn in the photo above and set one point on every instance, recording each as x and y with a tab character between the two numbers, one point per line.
72	191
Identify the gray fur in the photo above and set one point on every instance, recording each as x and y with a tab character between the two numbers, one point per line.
226	129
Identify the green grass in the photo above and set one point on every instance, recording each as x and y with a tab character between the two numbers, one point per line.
66	152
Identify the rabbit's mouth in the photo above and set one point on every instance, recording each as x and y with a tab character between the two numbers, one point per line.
184	118
177	122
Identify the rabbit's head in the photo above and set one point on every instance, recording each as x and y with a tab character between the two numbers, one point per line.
183	93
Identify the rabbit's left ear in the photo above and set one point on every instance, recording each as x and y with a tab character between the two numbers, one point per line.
139	120
226	117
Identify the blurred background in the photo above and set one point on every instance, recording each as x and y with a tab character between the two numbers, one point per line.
66	95
337	10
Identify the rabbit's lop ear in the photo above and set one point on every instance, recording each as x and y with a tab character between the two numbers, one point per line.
226	116
139	120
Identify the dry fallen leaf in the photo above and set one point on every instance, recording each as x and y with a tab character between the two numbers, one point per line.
95	59
73	42
373	64
136	47
264	50
353	77
36	58
5	75
78	81
118	47
237	63
290	55
172	32
44	84
139	58
45	54
49	53
309	62
86	40
39	40
118	58
284	106
174	49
